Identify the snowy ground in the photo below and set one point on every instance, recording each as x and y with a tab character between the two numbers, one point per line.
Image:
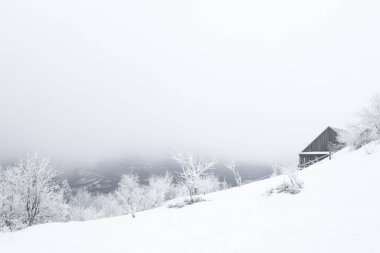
338	211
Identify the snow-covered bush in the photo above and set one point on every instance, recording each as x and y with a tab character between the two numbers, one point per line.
87	206
193	171
178	190
181	202
292	184
130	194
287	187
81	206
107	205
208	183
135	197
158	191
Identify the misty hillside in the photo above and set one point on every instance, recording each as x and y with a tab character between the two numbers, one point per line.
337	211
105	176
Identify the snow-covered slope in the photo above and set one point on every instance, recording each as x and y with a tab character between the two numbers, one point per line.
338	211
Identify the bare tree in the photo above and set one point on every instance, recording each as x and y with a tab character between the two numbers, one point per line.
193	170
230	164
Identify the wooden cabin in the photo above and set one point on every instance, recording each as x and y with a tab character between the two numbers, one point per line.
320	148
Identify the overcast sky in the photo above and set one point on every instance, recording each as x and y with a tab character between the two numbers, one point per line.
85	80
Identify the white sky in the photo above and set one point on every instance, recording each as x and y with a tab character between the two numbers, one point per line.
258	80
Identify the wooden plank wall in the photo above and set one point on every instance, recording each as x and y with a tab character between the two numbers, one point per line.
321	142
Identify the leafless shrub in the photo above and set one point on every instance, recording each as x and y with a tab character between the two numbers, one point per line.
179	203
292	184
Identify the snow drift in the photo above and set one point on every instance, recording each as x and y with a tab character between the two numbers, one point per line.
337	211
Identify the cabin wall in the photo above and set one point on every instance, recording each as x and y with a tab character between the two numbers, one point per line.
322	141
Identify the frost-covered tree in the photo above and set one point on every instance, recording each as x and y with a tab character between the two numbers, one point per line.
40	192
370	117
208	183
365	128
230	164
355	135
334	147
30	194
158	191
81	206
135	197
193	170
87	206
66	189
178	190
130	194
107	205
3	197
10	211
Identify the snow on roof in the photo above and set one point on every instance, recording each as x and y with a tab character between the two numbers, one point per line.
315	153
